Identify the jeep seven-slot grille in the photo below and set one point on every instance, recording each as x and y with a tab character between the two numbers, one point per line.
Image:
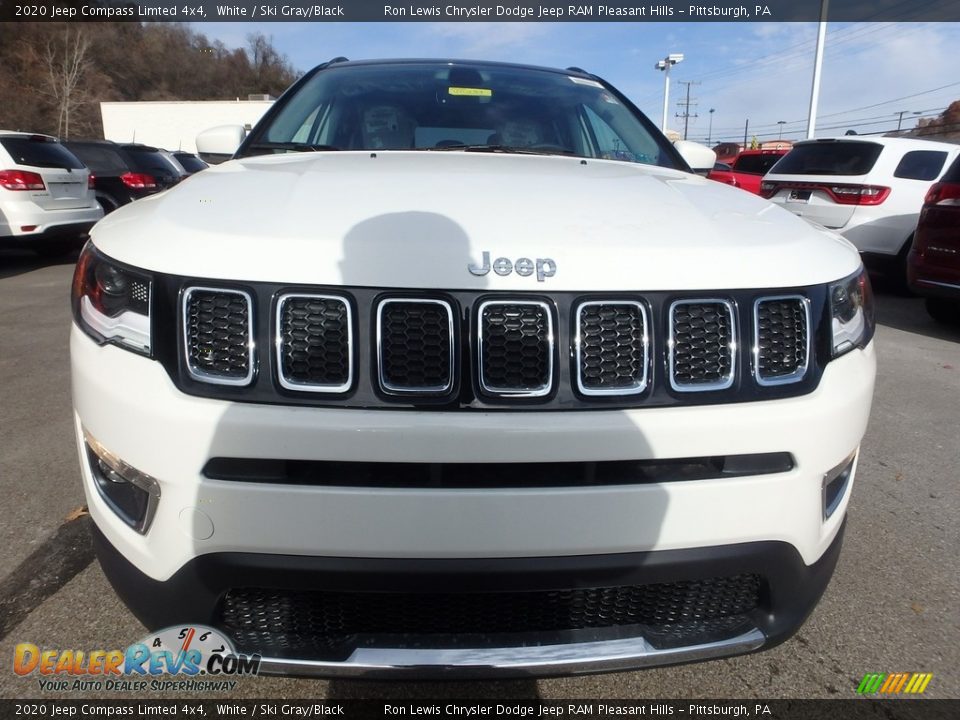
612	349
283	622
314	343
702	353
371	349
516	348
782	343
415	339
217	335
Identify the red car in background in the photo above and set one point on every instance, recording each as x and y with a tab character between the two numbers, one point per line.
933	265
749	168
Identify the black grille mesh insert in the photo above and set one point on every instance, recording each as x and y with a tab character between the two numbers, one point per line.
612	351
702	334
285	620
218	334
315	341
781	338
515	349
415	346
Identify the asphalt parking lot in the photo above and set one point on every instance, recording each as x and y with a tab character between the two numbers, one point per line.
893	605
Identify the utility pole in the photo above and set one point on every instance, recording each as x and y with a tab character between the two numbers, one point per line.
686	106
900	115
746	131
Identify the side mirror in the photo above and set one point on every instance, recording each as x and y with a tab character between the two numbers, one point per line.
699	157
220	143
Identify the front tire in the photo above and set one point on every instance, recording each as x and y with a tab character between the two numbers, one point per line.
944	311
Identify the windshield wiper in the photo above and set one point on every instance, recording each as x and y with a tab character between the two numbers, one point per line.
292	146
507	149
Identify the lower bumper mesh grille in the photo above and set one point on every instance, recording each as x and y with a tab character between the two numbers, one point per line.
277	621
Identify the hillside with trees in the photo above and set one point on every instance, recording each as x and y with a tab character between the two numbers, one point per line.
53	76
945	127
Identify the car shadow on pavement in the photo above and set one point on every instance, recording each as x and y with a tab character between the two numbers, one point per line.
15	262
901	310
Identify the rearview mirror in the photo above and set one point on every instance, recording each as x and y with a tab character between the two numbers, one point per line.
220	143
699	157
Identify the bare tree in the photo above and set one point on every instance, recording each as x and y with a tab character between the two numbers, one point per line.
66	63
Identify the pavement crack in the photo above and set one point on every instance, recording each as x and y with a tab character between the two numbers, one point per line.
47	569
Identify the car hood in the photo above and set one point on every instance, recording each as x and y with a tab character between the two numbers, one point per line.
418	219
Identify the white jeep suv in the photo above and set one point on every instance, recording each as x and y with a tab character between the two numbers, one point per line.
457	368
47	201
870	190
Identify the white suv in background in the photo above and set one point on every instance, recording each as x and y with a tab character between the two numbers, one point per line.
870	190
46	194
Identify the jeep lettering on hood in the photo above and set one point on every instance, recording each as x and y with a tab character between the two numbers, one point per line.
545	267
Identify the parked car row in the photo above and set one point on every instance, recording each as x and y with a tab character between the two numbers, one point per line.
884	195
51	192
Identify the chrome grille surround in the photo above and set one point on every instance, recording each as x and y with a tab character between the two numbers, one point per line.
200	374
508	392
725	381
285	381
394	389
637	387
801	370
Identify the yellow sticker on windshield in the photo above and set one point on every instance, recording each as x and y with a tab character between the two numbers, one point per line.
470	92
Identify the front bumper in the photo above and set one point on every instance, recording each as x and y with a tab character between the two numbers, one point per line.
195	595
211	536
129	404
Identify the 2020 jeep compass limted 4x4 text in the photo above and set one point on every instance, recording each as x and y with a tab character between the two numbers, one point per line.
456	368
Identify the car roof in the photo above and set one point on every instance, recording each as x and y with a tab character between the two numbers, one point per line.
904	143
343	62
16	133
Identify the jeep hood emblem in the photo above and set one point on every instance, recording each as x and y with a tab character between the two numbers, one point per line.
543	267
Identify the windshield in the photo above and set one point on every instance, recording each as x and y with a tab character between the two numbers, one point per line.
444	106
829	158
40	151
756	164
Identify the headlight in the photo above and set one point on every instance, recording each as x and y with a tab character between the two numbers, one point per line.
111	302
851	309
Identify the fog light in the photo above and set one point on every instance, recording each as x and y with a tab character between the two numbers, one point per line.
835	484
131	494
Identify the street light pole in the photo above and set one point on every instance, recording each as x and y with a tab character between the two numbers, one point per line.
817	66
710	130
781	123
665	65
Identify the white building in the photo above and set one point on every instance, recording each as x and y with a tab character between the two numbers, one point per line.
174	125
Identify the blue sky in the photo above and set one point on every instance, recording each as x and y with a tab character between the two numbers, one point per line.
756	71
